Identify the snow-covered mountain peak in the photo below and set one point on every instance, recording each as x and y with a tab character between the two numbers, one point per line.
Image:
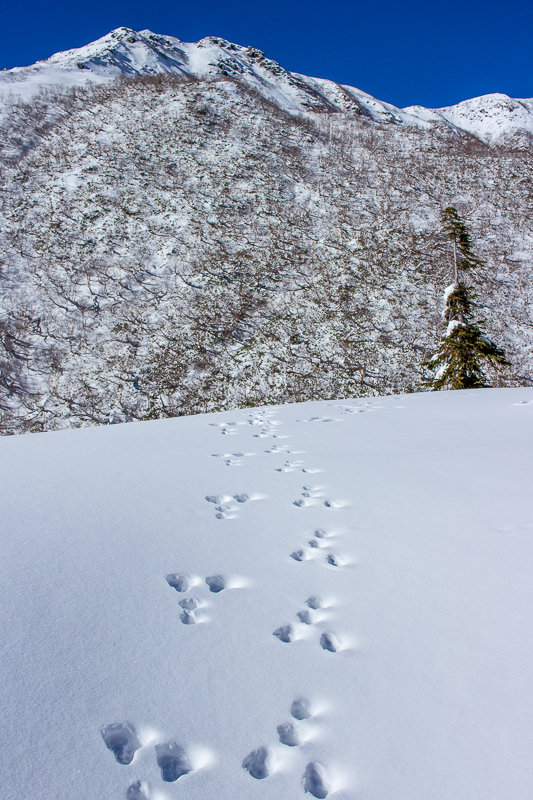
128	52
490	117
125	51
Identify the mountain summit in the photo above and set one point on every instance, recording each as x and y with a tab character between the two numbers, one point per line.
125	52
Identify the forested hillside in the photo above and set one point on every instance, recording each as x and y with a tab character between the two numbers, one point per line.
177	244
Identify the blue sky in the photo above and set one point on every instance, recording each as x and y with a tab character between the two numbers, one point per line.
405	52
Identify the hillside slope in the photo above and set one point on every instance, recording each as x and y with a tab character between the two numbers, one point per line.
374	560
192	241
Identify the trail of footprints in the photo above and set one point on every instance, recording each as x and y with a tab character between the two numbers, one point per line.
225	505
171	757
318	548
291	734
191	605
174	761
308	616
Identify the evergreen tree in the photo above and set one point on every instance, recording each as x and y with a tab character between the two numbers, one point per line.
464	347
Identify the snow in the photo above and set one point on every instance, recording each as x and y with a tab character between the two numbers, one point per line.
454	323
413	678
123	51
492	116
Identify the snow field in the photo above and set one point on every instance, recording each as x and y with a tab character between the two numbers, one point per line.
162	640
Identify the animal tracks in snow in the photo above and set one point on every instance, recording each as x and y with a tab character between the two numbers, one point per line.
319	419
138	790
311	496
300	708
228	506
231	459
262	422
178	582
121	739
285	633
256	763
288	734
318	548
312	615
216	583
314	780
173	761
192	608
294	738
259	763
309	622
289	466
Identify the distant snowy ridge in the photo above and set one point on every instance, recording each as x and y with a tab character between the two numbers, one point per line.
127	52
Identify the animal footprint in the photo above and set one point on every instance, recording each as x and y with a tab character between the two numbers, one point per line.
221	512
137	790
277	449
214	498
309	495
255	763
299	555
121	739
189	603
333	560
328	641
285	633
314	780
178	582
305	617
216	583
241	498
289	466
225	427
313	602
172	760
287	734
300	709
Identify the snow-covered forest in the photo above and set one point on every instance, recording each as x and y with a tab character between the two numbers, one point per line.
179	243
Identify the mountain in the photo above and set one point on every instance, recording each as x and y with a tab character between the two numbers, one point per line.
325	600
188	228
128	52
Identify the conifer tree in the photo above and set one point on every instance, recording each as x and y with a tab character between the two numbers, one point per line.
463	348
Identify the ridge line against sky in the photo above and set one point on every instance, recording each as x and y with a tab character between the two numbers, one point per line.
411	53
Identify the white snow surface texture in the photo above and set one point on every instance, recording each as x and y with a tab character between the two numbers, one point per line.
405	606
127	52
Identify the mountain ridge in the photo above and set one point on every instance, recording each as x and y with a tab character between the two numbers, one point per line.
491	118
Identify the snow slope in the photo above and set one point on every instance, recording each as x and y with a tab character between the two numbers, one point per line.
410	518
128	52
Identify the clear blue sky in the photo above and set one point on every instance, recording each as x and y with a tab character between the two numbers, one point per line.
431	53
